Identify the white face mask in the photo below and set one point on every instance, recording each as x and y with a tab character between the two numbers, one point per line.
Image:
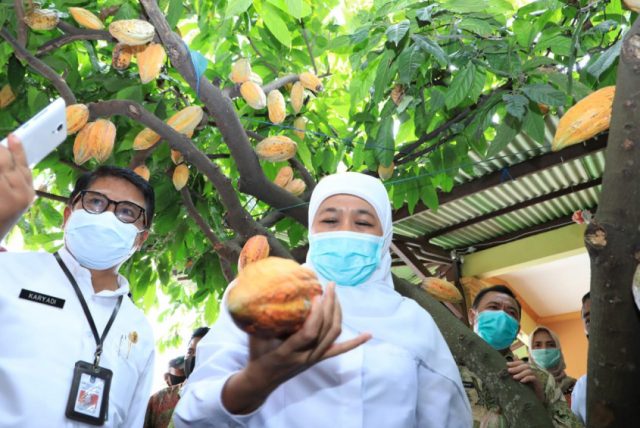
99	241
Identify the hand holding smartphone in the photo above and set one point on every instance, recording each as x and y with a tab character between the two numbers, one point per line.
41	134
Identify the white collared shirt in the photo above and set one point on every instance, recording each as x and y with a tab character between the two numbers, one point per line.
579	399
41	343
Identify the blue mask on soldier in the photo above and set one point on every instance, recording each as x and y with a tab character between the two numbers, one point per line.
346	258
546	358
497	328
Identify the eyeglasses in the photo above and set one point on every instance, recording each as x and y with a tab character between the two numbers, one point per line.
97	203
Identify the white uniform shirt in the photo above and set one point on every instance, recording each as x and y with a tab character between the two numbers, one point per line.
352	390
40	344
579	399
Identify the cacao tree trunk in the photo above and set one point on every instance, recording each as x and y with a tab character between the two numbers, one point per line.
613	241
518	402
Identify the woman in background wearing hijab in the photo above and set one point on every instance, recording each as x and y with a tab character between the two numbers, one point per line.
545	352
365	357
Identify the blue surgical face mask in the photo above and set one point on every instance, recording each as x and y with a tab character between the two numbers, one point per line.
497	328
99	241
546	358
347	258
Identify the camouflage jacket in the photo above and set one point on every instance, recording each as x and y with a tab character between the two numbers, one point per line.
485	407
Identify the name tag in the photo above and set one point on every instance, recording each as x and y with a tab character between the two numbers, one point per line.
467	384
34	296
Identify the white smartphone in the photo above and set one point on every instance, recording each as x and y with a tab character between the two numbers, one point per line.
45	131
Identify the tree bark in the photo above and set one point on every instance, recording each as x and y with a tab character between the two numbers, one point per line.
613	241
518	402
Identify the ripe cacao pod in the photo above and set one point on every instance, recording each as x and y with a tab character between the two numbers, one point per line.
6	96
145	139
150	62
441	289
143	172
86	19
296	186
276	106
77	117
277	148
132	32
186	120
256	248
284	176
587	118
310	81
300	125
102	137
241	71
272	297
633	5
121	56
176	157
255	78
82	149
180	176
42	19
253	95
397	94
386	172
297	97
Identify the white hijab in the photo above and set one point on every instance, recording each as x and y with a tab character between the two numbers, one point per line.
374	306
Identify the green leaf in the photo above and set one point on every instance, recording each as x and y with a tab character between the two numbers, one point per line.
174	13
505	133
384	142
460	86
396	32
429	196
412	196
432	48
465	6
604	61
425	13
384	75
524	31
276	25
294	8
544	94
476	26
211	309
538	61
408	62
133	93
533	125
515	105
236	7
15	72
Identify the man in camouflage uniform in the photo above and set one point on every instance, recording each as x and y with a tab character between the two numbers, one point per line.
495	316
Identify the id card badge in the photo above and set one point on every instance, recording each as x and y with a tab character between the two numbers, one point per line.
89	396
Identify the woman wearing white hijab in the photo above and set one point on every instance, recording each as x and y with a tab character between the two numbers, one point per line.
546	352
389	367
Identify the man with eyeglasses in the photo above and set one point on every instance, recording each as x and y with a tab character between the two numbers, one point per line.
78	351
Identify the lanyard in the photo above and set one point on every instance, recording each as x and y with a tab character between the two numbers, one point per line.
99	339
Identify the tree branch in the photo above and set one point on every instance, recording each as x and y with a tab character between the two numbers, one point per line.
22	31
51	196
304	173
227	269
42	68
266	63
72	34
252	178
108	11
305	36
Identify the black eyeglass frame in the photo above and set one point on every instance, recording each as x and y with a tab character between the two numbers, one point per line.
110	202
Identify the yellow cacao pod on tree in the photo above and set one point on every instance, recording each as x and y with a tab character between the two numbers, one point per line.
186	120
102	137
143	172
277	148
300	125
397	94
180	176
132	32
145	139
297	97
587	118
284	176
633	5
296	186
6	96
82	149
441	289
255	78
253	95
86	19
241	71
271	298
310	81
42	19
176	157
121	56
386	172
150	62
77	117
256	248
276	106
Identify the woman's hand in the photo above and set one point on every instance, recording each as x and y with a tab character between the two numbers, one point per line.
16	187
273	362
